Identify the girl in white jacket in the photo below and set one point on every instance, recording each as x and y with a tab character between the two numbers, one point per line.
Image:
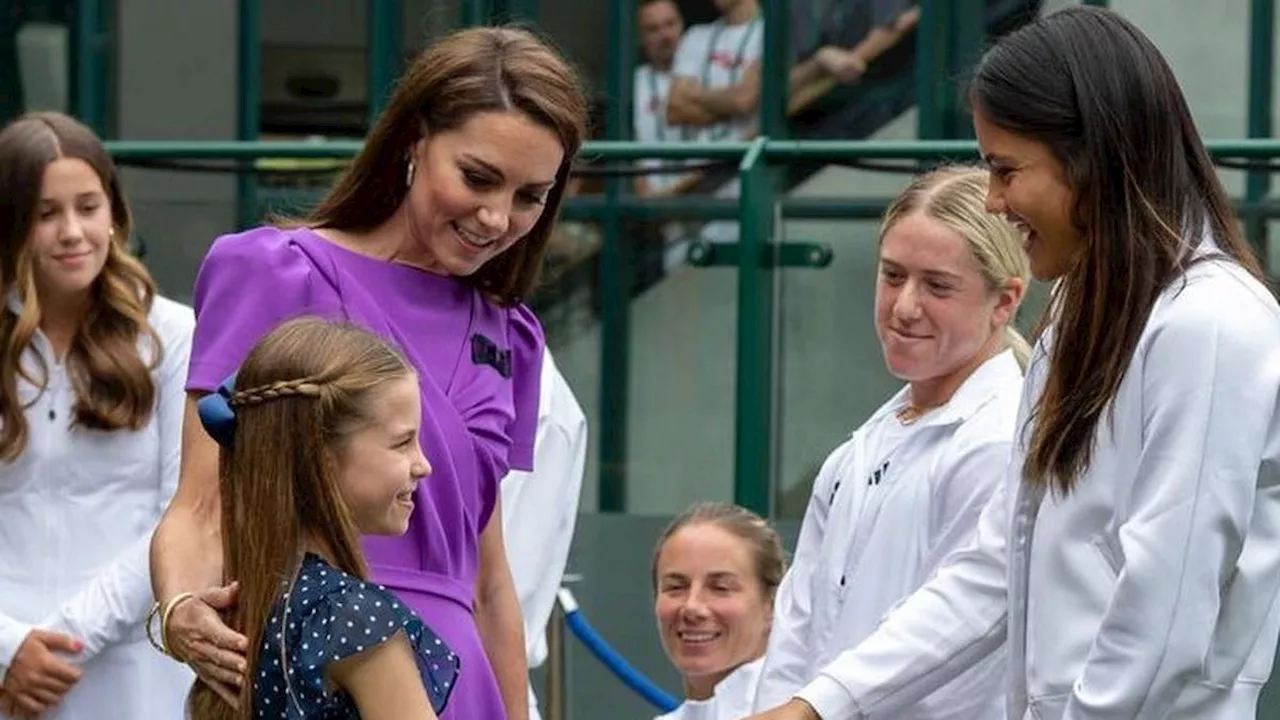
715	572
1130	556
91	395
906	489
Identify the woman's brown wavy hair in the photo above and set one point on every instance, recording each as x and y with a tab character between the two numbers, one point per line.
472	71
304	388
1096	92
111	379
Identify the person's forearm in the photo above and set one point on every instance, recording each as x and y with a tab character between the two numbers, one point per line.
881	39
502	631
186	550
804	73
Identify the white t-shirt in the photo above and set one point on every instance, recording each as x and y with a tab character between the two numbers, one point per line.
650	89
716	55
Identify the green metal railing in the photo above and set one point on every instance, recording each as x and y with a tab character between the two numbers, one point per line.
949	38
757	255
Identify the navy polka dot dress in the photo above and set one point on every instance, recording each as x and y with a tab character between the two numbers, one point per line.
331	616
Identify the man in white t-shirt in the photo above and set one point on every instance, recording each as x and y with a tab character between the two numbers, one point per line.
661	26
716	86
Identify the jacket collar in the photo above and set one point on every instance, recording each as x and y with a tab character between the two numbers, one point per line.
975	392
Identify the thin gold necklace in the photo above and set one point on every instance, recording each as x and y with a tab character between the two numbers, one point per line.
909	414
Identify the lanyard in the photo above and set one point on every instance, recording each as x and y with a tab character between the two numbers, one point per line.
660	126
737	58
659	122
721	131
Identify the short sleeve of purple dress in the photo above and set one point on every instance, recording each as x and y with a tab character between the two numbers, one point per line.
479	367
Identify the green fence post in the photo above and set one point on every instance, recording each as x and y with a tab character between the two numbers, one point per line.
933	43
385	19
1262	56
249	99
774	69
522	11
475	12
753	412
89	102
615	277
968	37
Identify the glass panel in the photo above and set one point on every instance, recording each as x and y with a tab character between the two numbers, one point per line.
176	216
36	47
567	304
682	387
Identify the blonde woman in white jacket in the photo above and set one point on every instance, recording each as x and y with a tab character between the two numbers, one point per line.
907	488
1130	557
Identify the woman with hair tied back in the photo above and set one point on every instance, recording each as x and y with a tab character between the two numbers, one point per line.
907	488
432	239
715	572
319	435
92	367
1129	557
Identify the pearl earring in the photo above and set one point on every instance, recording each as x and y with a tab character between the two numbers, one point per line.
408	179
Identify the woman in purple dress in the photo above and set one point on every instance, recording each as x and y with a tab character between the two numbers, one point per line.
432	238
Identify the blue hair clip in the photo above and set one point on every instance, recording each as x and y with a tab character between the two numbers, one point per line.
217	415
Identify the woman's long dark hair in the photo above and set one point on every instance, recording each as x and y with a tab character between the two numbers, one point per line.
1091	87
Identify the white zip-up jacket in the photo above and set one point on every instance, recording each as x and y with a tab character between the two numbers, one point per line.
1150	591
731	699
865	545
77	509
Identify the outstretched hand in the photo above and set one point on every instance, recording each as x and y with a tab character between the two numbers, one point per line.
794	709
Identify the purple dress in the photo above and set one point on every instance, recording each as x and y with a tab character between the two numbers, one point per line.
479	367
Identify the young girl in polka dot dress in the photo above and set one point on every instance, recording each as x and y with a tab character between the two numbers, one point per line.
319	436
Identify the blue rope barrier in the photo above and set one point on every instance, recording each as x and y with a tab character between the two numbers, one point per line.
631	677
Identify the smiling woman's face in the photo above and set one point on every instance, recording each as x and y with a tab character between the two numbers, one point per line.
477	190
711	607
934	312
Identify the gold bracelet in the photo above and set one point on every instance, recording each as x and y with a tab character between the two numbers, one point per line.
164	621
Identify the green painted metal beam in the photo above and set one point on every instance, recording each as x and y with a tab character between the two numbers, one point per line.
615	278
248	101
385	48
775	150
968	40
1262	58
932	48
593	208
755	387
774	68
89	103
477	12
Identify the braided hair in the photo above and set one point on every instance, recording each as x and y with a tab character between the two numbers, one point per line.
309	384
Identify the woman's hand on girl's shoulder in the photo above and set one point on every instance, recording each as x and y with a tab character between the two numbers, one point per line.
197	635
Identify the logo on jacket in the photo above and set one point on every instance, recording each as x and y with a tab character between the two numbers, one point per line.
879	474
